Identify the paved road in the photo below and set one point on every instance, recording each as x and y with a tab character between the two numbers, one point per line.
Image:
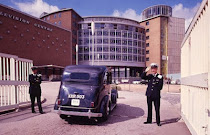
126	119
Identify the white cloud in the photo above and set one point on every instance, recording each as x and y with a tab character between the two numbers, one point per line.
36	7
129	13
188	13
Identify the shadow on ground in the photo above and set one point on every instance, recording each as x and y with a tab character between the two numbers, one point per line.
170	121
121	113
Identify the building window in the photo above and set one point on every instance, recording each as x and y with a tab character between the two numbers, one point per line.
112	41
112	49
147	37
54	15
147	52
105	41
147	45
99	41
105	49
118	57
59	14
124	50
125	58
134	58
147	59
106	57
147	23
130	58
112	57
147	30
59	23
115	26
48	18
74	16
55	23
86	57
118	49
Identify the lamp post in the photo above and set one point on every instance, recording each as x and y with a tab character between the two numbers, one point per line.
77	54
167	74
92	30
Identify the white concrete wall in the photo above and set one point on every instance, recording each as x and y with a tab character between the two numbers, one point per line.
195	102
14	85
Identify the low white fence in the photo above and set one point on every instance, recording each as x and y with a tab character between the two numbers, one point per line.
14	83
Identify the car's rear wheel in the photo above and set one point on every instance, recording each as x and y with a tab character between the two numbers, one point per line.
62	116
105	110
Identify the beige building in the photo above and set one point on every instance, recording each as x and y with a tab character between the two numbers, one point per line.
164	35
195	73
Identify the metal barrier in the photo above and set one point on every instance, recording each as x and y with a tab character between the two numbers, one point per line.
14	83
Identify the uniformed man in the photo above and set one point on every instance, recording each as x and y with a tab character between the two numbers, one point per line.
155	84
35	89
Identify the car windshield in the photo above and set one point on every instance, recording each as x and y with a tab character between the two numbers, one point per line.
80	78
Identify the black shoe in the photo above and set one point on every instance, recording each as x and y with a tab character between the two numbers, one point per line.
159	124
42	112
147	122
33	111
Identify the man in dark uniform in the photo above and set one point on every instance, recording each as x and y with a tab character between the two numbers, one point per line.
35	89
155	84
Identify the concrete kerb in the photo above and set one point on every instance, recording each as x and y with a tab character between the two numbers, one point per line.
21	106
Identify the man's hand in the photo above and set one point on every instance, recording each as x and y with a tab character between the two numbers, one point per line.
147	69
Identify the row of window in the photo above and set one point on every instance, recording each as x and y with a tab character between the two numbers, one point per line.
112	26
113	49
124	34
112	41
58	23
112	57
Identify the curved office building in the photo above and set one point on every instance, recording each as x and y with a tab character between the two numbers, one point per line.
157	10
119	43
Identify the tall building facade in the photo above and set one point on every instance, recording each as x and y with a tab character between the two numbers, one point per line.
65	18
118	43
31	38
164	35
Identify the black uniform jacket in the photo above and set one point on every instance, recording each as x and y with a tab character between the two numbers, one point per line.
35	81
155	84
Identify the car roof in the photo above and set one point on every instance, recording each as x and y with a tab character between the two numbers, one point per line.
86	69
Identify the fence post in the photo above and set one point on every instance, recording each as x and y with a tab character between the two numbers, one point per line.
0	69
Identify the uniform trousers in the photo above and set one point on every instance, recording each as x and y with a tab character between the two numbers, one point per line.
157	109
38	102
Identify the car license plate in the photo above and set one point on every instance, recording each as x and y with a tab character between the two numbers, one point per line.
75	102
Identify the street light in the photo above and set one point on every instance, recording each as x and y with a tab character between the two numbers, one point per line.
92	30
77	54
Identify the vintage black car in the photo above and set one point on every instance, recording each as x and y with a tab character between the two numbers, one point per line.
86	91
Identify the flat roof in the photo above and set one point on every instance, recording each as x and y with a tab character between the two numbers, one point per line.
156	6
111	17
62	10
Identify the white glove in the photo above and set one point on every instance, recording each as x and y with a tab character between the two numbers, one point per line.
147	69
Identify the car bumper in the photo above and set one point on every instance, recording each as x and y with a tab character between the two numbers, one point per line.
88	114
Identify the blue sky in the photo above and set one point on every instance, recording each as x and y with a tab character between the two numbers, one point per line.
124	8
106	7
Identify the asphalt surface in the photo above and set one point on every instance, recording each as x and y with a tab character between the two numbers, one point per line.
126	119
